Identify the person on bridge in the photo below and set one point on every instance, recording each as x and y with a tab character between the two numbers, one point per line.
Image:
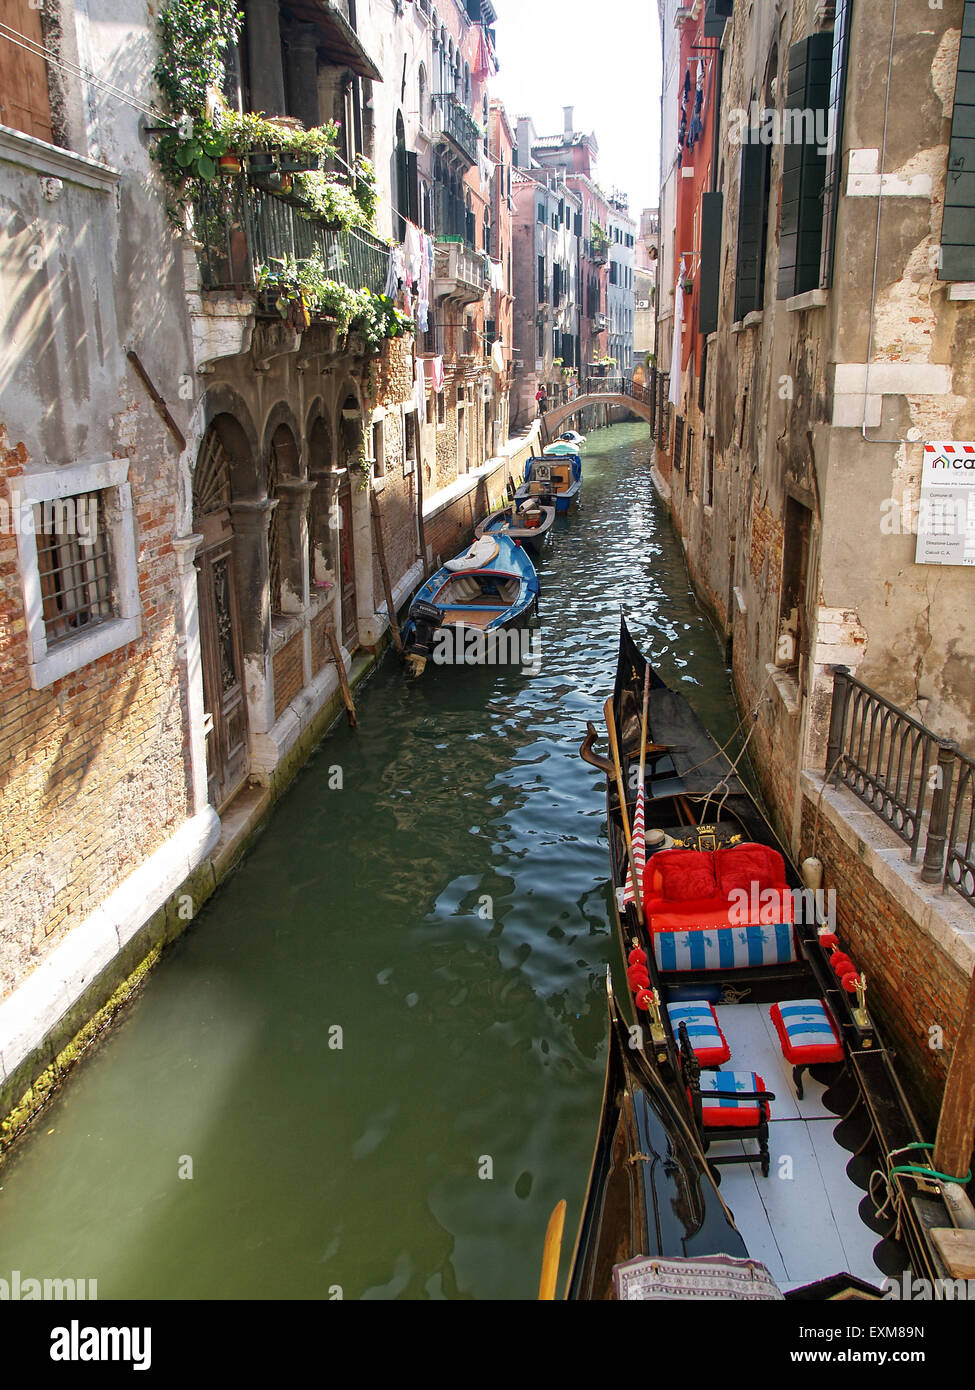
542	400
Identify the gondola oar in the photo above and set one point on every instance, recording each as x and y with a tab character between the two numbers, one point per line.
551	1254
615	753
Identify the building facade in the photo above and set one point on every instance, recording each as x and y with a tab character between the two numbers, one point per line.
815	326
249	365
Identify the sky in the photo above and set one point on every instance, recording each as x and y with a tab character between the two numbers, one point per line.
603	58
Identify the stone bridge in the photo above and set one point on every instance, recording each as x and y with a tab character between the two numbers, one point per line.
598	391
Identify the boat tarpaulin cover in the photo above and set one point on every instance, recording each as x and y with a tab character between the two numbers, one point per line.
710	1277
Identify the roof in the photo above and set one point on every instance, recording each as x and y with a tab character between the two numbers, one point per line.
340	41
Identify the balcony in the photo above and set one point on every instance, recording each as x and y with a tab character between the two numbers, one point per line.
454	123
460	274
239	228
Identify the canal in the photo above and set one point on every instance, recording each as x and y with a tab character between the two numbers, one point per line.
374	1062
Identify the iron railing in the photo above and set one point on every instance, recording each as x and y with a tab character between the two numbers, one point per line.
904	772
960	858
239	228
452	119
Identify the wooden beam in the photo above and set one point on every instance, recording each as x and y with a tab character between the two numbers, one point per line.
333	642
955	1139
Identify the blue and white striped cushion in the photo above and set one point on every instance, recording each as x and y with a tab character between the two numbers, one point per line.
707	1040
724	948
809	1031
720	1103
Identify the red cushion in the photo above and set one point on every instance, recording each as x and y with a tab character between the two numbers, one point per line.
741	866
686	874
742	1114
807	1034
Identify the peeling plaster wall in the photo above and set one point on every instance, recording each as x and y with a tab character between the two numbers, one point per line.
786	400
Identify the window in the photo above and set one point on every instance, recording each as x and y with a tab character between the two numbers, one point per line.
378	449
709	272
541	212
678	442
803	166
76	539
441	407
24	100
689	462
957	229
795	563
834	158
752	225
542	290
410	454
707	488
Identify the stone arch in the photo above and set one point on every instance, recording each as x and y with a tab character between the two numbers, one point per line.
226	412
287	532
322	466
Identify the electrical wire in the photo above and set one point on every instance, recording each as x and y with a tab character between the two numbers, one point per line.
38	50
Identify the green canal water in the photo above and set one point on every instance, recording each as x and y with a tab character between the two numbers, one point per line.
447	908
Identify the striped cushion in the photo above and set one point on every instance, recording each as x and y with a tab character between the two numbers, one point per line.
724	948
719	1104
709	1043
806	1032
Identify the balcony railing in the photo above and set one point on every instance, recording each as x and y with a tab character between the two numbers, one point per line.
452	120
460	272
904	772
239	227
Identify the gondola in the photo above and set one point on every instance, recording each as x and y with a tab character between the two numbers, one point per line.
460	614
529	525
755	1051
554	480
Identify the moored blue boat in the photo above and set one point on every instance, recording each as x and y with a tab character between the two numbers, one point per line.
458	615
555	479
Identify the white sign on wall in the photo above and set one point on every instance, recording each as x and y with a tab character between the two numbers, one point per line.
946	521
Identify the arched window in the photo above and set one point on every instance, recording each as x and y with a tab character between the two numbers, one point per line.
467	86
487	230
422	94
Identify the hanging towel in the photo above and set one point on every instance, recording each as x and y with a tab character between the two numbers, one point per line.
497	275
419	390
413	248
497	358
397	272
436	372
423	287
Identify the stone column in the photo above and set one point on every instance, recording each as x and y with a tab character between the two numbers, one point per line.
250	522
293	540
191	655
266	69
303	74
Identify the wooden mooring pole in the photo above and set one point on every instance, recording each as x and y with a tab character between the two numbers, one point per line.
955	1139
377	527
333	642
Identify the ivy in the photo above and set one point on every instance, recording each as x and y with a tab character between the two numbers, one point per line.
195	36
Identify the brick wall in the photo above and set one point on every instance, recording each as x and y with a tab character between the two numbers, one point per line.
288	673
92	771
321	652
912	985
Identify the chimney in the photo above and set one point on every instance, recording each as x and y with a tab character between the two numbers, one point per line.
567	112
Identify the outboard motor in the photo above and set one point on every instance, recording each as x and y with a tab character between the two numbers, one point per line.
426	620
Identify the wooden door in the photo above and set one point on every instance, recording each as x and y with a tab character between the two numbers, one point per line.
224	696
350	616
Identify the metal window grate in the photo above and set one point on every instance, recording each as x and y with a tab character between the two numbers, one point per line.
74	564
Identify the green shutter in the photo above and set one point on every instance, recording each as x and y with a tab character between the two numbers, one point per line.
752	219
710	269
958	219
804	169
